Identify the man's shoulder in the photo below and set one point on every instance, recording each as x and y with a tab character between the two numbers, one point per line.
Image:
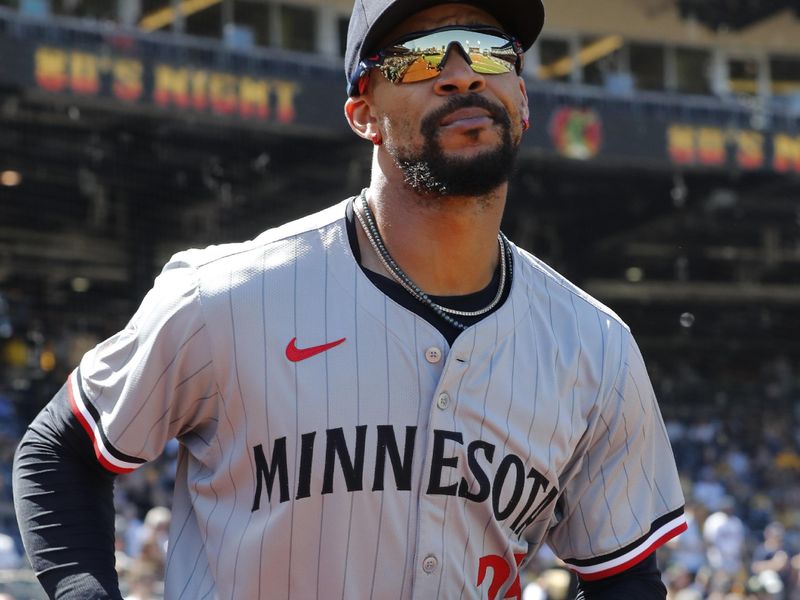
271	241
311	224
540	277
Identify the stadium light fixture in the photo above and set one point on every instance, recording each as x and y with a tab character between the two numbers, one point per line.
165	16
10	178
634	274
80	285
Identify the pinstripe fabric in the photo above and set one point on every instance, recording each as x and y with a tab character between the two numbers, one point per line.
341	472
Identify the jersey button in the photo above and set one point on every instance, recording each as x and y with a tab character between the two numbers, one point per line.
433	355
443	401
429	563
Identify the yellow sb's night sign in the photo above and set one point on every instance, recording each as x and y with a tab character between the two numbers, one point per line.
698	145
169	86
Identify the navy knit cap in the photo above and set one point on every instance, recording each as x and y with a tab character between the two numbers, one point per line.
373	19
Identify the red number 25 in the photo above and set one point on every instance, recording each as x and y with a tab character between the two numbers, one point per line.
500	576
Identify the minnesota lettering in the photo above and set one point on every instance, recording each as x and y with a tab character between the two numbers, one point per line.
531	492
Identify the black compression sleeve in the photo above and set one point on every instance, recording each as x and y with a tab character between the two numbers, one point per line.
642	581
65	507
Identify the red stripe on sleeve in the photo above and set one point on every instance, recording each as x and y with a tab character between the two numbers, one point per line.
636	559
90	432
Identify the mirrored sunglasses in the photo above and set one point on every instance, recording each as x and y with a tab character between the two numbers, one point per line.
423	55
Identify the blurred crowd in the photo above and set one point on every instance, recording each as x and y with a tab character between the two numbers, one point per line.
738	453
737	446
36	355
736	443
142	501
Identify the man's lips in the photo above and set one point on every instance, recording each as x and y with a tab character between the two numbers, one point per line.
467	117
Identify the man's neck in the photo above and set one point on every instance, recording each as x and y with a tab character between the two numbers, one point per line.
446	245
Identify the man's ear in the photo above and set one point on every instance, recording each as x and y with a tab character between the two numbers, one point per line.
524	109
358	112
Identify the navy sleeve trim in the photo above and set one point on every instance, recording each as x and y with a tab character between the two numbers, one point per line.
89	418
662	530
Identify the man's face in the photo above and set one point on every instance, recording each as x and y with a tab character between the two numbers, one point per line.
456	134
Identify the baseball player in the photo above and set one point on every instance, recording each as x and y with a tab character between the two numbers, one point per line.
387	399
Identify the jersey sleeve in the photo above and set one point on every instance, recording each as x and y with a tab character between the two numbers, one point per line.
625	501
150	382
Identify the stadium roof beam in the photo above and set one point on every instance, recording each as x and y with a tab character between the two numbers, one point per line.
166	16
610	290
586	56
734	14
730	253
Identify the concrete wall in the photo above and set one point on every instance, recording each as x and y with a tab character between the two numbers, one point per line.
647	20
659	20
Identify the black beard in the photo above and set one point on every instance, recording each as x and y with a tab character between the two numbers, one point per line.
429	172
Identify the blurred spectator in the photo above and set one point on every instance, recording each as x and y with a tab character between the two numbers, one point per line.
552	584
121	557
144	571
688	550
708	490
143	581
767	585
688	594
681	583
153	552
770	556
9	557
724	534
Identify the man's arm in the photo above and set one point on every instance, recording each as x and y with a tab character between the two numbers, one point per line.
642	581
626	501
65	508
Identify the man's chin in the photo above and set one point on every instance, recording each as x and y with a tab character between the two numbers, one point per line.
445	169
475	175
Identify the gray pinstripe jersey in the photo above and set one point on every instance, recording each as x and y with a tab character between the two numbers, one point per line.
333	445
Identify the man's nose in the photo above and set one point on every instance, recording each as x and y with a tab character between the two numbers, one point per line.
457	76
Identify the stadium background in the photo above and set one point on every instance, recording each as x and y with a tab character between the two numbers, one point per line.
661	173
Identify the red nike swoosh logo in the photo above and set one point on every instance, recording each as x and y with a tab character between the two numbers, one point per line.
295	354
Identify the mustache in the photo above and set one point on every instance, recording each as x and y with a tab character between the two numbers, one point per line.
431	121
